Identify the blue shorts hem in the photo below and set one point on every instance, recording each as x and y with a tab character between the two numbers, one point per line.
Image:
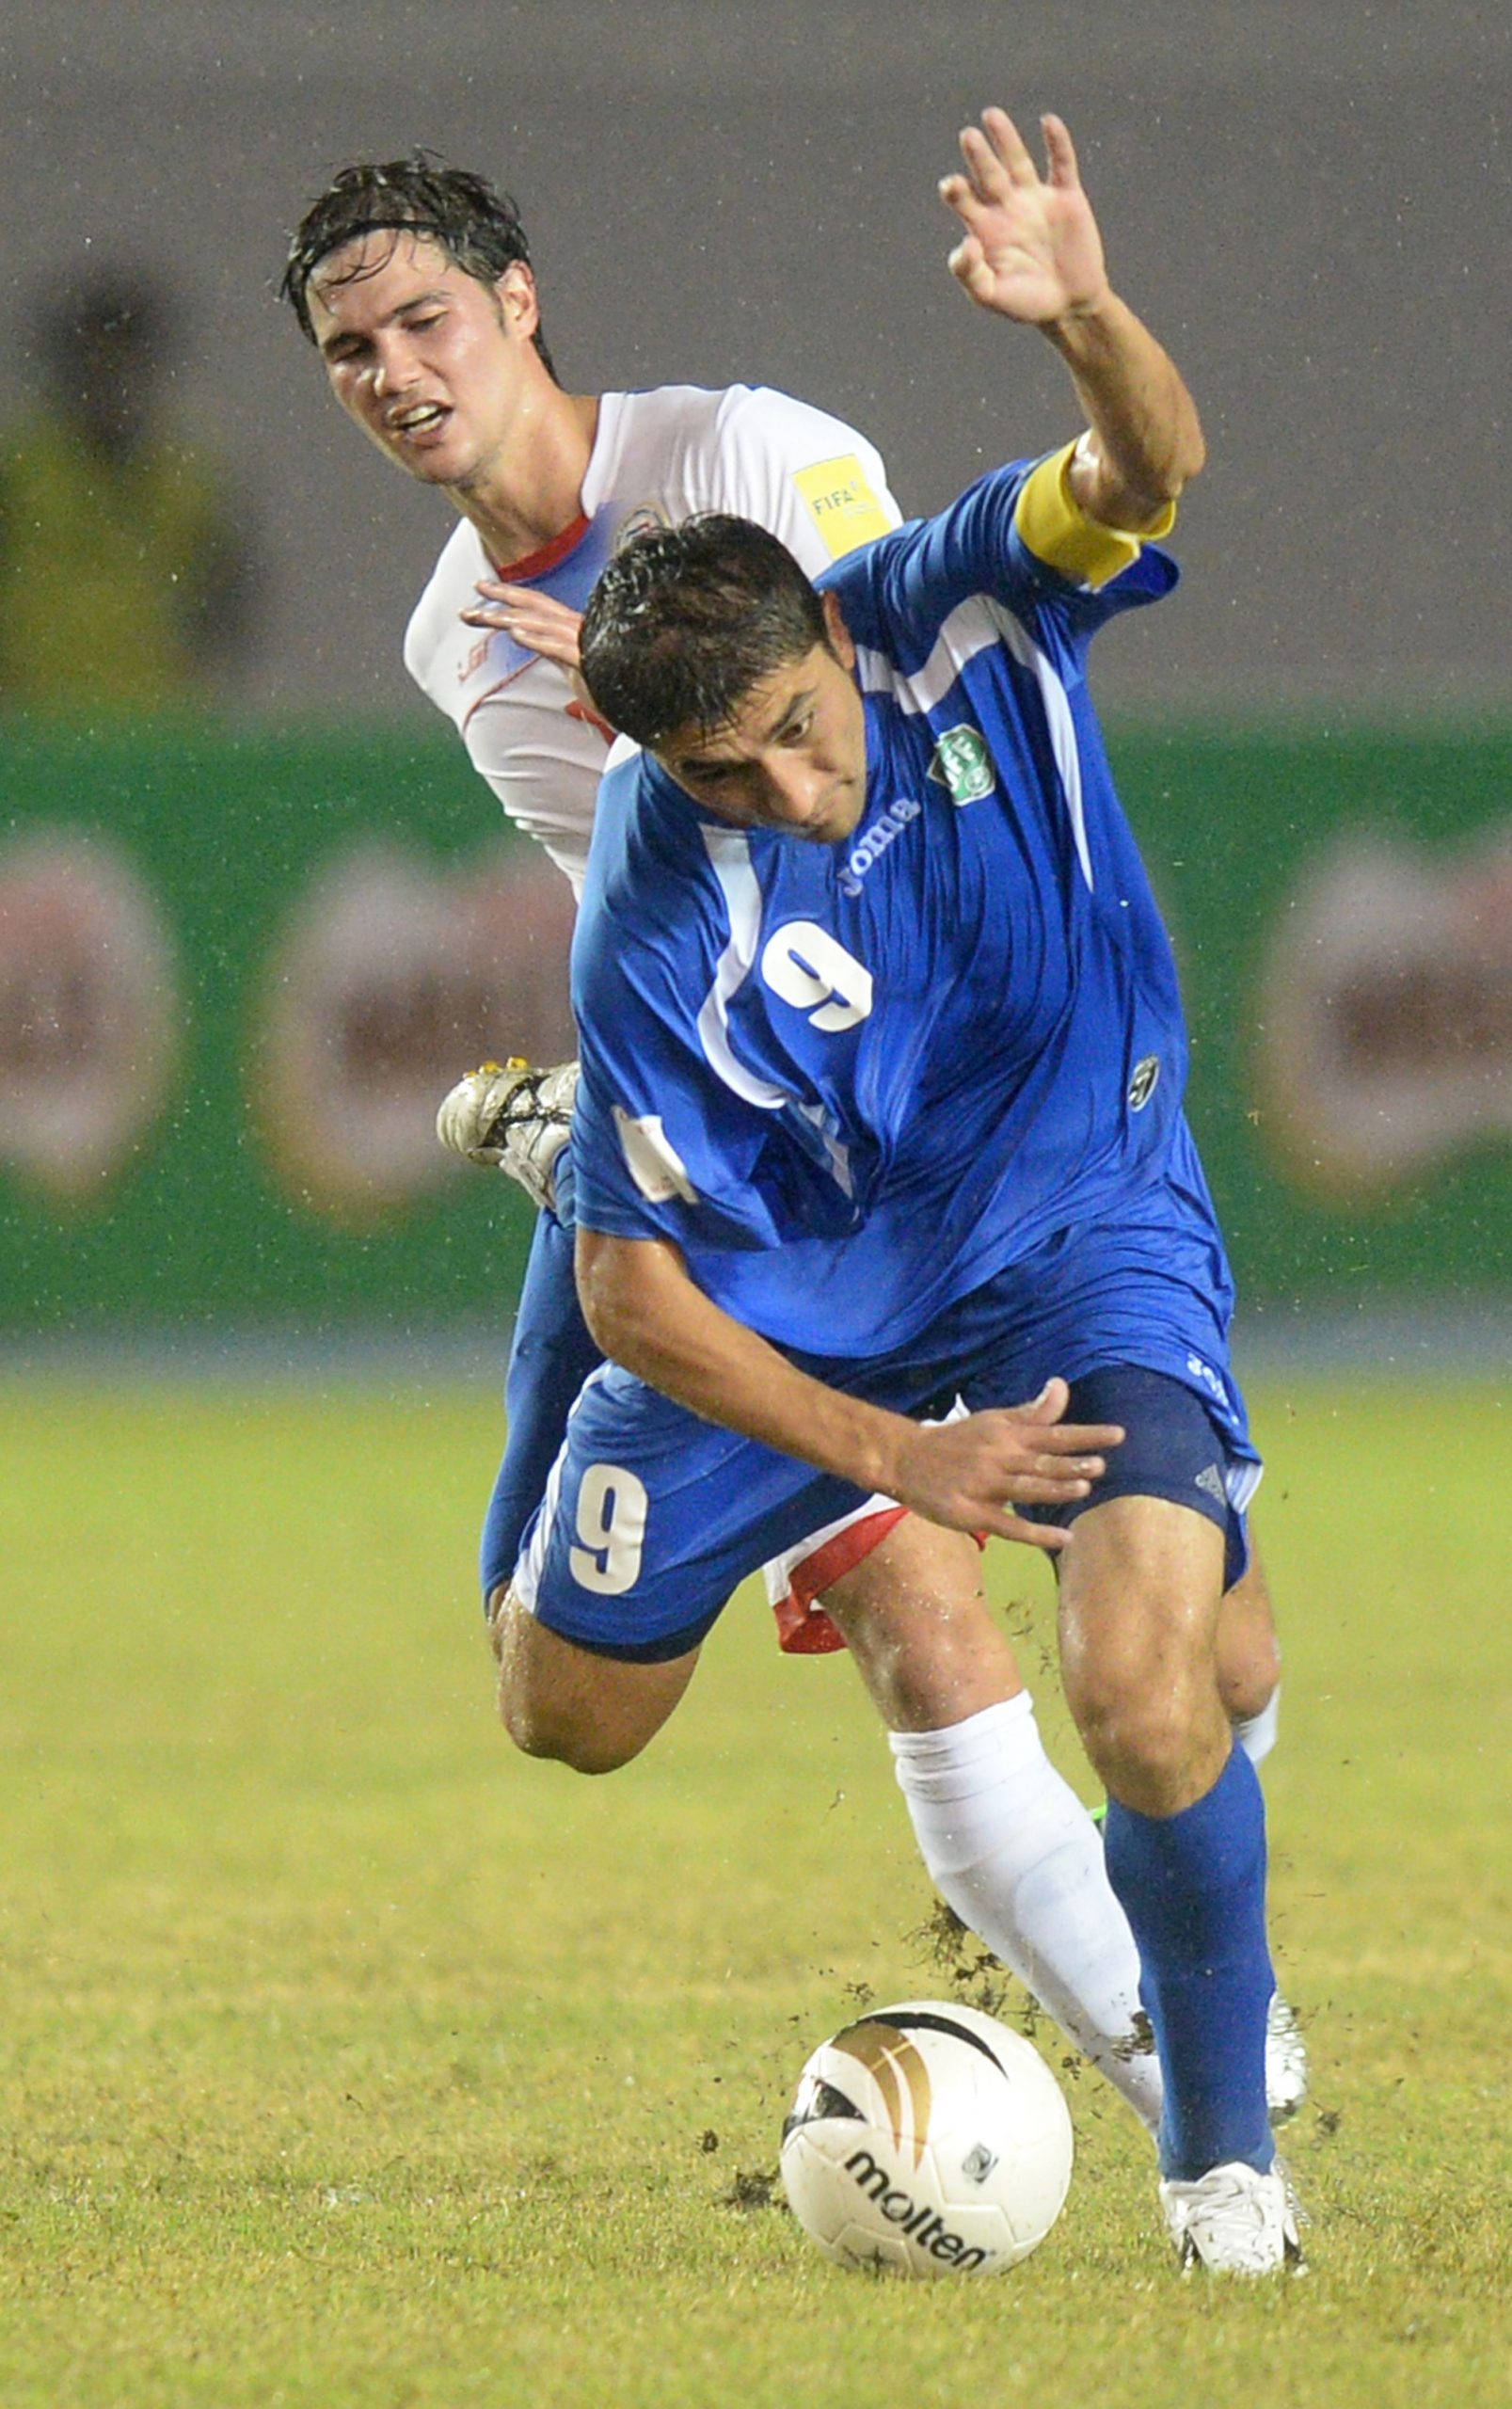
1170	1430
642	1652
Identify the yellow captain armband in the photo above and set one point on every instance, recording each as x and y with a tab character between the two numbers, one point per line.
1058	530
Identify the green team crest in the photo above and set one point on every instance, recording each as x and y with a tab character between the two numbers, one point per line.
962	765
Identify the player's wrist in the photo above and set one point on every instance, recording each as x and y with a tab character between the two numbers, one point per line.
878	1452
1088	329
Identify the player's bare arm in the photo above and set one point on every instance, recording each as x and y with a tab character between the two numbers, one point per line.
647	1314
1032	251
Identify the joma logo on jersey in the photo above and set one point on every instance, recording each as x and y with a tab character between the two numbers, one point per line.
1209	1379
887	826
962	766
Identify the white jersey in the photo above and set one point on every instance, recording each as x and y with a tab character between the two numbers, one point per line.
658	458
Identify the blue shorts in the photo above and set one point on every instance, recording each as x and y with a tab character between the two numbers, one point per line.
1174	1447
652	1517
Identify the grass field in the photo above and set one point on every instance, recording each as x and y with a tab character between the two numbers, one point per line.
348	2060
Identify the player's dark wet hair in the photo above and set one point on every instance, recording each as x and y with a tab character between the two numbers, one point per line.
466	217
685	620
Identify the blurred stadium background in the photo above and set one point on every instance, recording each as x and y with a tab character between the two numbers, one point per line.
276	1904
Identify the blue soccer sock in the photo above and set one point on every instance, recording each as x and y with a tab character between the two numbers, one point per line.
1193	1887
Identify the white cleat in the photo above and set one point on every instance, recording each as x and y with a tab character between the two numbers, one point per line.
1235	2222
1286	2068
508	1116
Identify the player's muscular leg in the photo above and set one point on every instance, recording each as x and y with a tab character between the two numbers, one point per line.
556	1700
1140	1591
1248	1654
917	1624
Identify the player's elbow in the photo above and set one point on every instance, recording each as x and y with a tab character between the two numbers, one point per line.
602	1306
1142	509
609	1294
1191	457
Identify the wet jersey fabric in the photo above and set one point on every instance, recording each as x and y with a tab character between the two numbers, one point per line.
658	458
853	1082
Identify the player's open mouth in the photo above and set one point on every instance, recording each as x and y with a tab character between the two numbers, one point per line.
423	420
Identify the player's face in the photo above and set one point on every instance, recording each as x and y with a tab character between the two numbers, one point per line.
794	757
436	368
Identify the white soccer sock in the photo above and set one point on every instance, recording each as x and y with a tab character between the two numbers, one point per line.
1256	1734
1013	1851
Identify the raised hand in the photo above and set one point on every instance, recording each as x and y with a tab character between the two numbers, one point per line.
970	1475
1031	250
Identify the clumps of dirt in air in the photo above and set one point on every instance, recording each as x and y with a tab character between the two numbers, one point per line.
973	1975
754	2189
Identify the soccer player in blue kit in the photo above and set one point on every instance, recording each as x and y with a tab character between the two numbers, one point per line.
881	1117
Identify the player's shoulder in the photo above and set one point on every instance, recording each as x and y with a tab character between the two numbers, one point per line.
648	844
897	592
640	432
651	896
434	630
803	438
720	418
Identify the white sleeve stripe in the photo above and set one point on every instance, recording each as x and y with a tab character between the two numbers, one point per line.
730	856
969	630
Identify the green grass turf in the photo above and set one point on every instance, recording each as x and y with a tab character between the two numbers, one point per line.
348	2060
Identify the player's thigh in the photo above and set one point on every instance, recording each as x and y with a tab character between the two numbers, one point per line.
1141	1585
914	1615
592	1712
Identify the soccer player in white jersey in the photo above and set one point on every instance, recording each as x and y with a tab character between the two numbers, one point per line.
414	281
431	341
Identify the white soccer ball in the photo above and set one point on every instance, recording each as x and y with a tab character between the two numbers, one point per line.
927	2139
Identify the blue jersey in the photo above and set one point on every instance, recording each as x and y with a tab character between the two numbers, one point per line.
852	1081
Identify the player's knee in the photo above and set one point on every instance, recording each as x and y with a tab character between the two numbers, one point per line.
537	1732
1138	1714
920	1632
543	1723
558	1702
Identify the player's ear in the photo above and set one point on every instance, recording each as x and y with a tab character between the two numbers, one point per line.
519	299
838	633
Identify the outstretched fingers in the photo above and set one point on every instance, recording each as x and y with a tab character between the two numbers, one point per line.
995	153
1061	1467
533	619
967	263
1060	153
1048	1536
